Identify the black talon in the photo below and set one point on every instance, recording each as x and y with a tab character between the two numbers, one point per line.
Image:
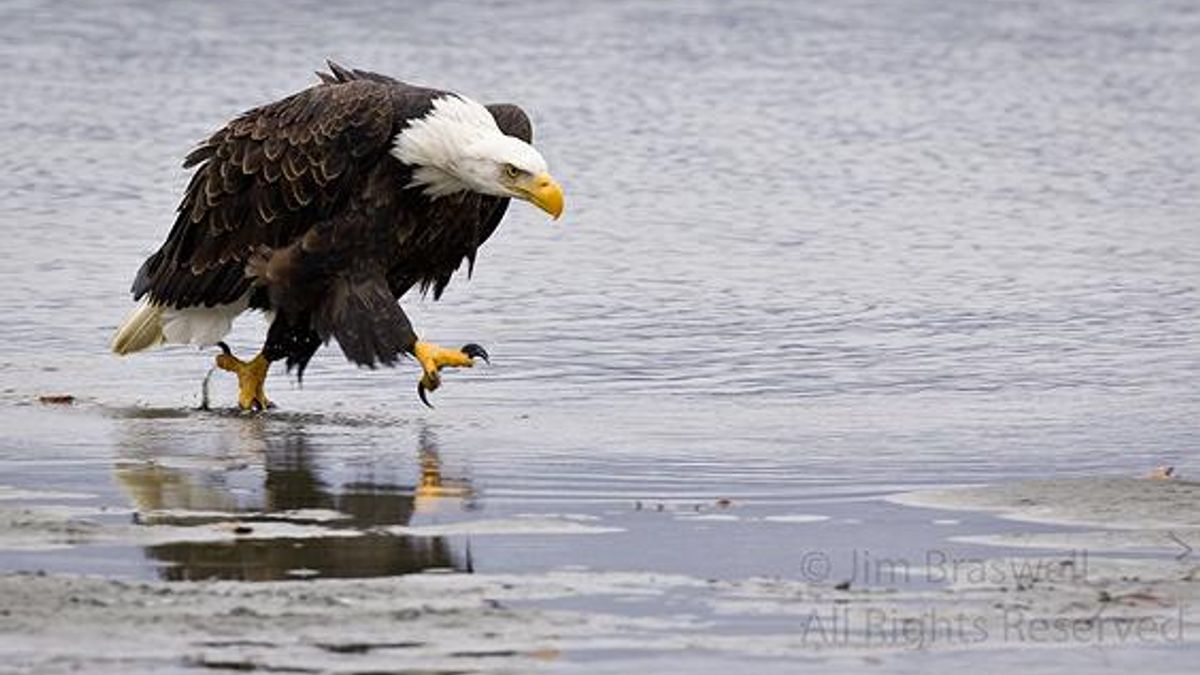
225	348
421	394
476	352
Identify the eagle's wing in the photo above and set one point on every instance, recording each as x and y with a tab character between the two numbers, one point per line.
263	180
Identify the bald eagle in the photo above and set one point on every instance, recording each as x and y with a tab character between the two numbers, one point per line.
322	210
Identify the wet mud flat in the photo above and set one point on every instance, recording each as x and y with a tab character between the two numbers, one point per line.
160	553
576	621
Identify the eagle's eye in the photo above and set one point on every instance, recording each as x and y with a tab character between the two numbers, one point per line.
511	171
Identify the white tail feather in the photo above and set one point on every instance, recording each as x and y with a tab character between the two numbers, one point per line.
201	325
152	324
142	329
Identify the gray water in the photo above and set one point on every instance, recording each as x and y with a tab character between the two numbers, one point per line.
813	253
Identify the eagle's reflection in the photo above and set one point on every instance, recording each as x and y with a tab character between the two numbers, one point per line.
290	482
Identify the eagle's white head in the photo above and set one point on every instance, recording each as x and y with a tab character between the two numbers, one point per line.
457	146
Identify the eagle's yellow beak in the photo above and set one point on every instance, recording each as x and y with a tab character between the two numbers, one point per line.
545	193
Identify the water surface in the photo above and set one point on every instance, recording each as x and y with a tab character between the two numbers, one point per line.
813	254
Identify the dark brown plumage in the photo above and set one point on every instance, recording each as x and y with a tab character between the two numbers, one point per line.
300	204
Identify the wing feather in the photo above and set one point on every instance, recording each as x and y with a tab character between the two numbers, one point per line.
263	180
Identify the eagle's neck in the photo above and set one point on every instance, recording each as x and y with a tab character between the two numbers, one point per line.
435	145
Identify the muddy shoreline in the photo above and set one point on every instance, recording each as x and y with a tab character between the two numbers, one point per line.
443	623
1068	592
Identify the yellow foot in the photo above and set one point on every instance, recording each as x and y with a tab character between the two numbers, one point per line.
251	375
433	358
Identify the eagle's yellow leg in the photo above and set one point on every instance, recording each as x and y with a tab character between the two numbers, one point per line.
251	376
433	358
